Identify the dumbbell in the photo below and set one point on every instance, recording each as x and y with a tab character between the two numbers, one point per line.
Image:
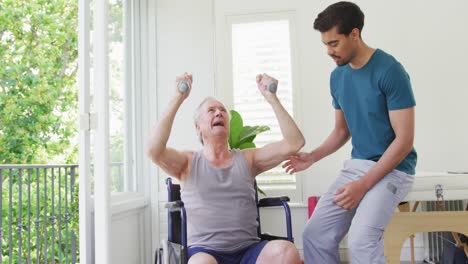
272	86
183	86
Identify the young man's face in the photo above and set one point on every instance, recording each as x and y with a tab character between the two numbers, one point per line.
213	120
339	46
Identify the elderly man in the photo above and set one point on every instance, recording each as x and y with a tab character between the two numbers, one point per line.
218	182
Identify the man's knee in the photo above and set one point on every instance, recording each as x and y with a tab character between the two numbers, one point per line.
289	252
313	232
202	258
363	238
279	251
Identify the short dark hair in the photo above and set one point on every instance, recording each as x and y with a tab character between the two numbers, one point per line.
345	15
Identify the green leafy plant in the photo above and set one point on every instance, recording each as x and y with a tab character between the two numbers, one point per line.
38	91
242	137
38	116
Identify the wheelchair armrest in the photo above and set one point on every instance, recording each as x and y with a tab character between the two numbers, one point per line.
174	205
278	201
273	201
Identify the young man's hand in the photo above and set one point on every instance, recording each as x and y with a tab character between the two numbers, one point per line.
298	162
349	196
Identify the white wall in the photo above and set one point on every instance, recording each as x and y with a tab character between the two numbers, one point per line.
129	239
428	37
184	44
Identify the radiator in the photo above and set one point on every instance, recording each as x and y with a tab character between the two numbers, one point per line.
434	241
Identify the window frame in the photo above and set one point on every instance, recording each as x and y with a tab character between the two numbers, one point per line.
224	82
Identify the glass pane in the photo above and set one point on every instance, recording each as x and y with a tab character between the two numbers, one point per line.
92	109
262	47
116	94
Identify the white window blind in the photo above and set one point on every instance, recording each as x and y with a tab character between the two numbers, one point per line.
263	47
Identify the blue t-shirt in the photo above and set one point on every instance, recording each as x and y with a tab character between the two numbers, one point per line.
366	95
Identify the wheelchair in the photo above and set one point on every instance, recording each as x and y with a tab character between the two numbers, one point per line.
174	249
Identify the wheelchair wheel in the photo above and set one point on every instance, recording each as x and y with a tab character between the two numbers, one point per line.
158	256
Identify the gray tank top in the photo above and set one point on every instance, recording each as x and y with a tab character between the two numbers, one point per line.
220	204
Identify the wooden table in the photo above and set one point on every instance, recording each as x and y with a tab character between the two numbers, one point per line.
405	224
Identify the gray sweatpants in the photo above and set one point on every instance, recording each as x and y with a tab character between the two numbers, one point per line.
365	224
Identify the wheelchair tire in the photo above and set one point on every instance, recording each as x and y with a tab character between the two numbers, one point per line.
158	256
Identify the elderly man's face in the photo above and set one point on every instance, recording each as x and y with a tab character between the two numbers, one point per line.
213	120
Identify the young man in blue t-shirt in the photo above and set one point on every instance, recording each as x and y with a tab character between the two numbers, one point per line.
374	105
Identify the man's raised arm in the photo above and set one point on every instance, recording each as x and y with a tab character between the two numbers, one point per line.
274	153
173	162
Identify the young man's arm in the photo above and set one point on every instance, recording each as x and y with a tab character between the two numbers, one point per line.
173	162
337	138
269	156
402	122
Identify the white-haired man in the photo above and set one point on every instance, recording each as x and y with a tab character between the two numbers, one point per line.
218	182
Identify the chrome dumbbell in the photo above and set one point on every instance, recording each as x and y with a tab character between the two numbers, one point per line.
183	86
272	86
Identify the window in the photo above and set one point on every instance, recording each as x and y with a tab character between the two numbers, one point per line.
117	128
263	47
120	97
